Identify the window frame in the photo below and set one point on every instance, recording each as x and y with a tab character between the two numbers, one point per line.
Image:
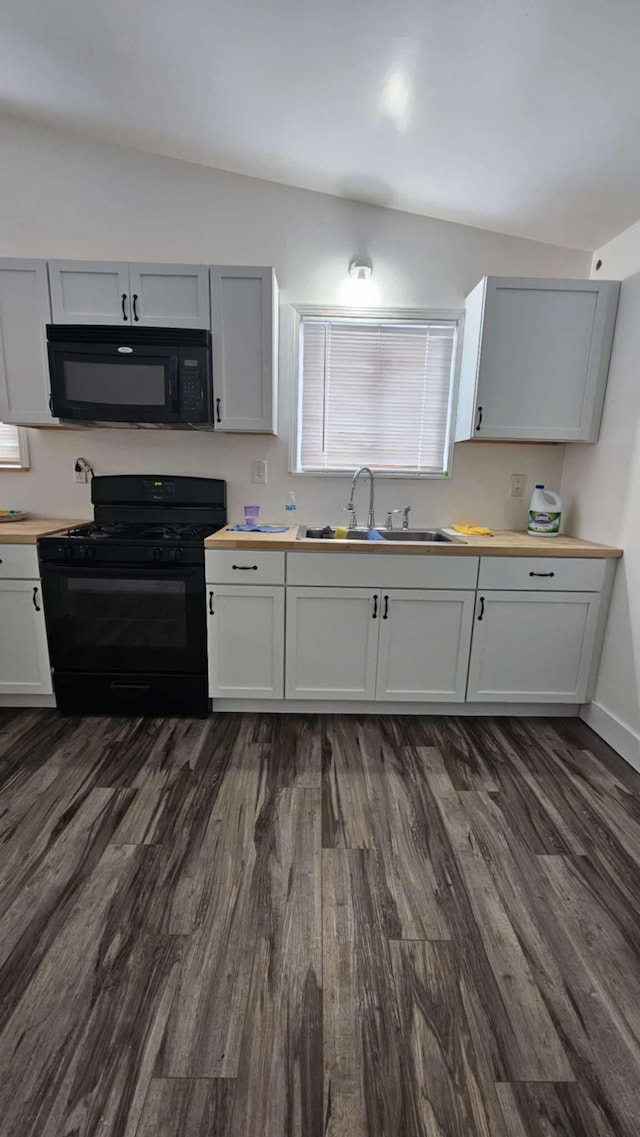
382	315
23	449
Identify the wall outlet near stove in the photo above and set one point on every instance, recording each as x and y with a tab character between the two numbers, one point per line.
517	485
259	473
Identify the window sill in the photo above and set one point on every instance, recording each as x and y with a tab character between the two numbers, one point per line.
349	471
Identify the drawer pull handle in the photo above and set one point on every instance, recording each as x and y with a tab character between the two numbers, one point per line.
211	612
35	599
542	574
375	606
481	614
385	614
245	568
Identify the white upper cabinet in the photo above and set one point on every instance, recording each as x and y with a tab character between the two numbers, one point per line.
90	292
244	322
535	359
169	296
24	369
116	292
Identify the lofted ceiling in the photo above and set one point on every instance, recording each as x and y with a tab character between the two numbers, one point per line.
515	115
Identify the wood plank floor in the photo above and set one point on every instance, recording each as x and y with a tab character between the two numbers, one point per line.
317	926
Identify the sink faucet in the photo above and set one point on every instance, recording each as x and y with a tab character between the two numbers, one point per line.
353	523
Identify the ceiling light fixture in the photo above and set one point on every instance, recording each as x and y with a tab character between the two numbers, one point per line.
360	268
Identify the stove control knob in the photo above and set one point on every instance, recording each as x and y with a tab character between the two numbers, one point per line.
176	554
156	554
88	552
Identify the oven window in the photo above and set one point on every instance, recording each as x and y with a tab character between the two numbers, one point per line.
127	613
123	384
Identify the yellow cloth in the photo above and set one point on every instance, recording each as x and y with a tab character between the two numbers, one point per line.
473	530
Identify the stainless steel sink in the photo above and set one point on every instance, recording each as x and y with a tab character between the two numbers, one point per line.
429	536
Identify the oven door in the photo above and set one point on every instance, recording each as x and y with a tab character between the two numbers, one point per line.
109	382
126	618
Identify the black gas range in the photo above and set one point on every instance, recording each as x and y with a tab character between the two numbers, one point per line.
124	597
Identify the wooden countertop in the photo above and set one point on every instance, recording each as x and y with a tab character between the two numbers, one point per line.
27	532
505	543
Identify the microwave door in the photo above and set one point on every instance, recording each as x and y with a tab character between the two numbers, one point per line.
104	384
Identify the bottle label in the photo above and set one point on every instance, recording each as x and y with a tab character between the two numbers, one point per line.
542	522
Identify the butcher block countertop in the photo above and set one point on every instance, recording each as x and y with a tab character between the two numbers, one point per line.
505	543
27	532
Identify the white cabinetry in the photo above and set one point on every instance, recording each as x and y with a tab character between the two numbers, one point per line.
332	643
535	359
244	323
24	370
117	292
423	652
24	656
532	647
245	641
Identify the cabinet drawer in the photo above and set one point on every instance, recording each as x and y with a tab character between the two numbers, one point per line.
19	562
381	570
532	573
243	566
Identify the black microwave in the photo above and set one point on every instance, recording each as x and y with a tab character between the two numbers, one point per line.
155	376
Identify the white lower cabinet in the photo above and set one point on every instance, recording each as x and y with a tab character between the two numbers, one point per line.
423	652
24	656
332	643
532	647
245	641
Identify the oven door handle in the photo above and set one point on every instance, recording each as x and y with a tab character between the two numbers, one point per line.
120	571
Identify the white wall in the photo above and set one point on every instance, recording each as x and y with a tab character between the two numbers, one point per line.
601	487
66	197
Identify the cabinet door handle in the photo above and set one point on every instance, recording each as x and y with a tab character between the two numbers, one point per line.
385	614
211	612
542	574
481	614
35	599
479	422
218	419
124	310
375	606
245	568
50	404
135	314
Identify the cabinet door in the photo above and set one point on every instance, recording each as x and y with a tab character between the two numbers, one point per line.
24	657
24	368
532	647
170	296
90	292
245	641
332	643
541	360
244	324
424	645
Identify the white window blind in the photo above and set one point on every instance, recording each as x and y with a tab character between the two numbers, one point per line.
9	446
375	393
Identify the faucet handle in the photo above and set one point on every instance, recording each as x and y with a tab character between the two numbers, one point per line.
389	522
353	520
405	516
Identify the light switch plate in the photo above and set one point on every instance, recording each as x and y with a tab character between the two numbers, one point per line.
259	473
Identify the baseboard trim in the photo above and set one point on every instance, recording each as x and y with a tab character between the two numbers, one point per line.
619	736
356	707
27	700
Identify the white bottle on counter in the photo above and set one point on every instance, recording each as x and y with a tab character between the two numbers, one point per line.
290	509
545	513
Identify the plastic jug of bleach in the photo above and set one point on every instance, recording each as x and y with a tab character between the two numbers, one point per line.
545	513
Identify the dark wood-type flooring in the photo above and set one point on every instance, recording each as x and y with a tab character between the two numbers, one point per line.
317	926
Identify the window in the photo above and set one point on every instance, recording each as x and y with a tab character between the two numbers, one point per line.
13	447
375	392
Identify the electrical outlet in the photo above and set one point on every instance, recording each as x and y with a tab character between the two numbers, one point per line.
81	476
259	473
518	484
